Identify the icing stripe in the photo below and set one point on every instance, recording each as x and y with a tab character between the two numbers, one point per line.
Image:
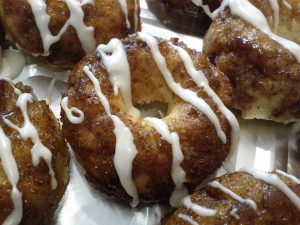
124	8
11	170
274	180
185	94
291	177
125	151
178	174
29	131
200	79
250	202
71	111
187	219
42	19
275	7
199	210
115	61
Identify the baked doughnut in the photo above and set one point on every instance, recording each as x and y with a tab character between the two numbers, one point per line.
249	197
263	67
183	15
62	32
148	159
34	159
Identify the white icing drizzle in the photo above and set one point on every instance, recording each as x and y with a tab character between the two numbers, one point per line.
178	174
247	11
187	219
275	7
115	61
200	79
233	213
250	202
29	131
274	180
199	210
84	33
125	150
291	177
71	111
286	4
136	16
185	94
11	170
16	90
124	8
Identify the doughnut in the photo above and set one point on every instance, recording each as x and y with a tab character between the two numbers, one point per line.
249	196
148	159
62	32
183	15
34	158
260	58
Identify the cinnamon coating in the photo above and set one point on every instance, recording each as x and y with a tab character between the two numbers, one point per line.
94	140
273	206
39	199
265	76
105	16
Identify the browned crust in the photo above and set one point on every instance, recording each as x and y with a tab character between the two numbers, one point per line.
106	17
39	200
94	141
265	76
273	206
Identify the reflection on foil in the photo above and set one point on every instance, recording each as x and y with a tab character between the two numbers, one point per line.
294	150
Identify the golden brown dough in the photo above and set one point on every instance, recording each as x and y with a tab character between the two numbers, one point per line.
106	17
94	140
273	206
39	200
265	76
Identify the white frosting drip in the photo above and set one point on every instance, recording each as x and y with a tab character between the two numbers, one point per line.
187	219
136	16
274	180
185	94
291	177
115	61
250	202
200	79
275	7
125	150
11	170
29	131
84	33
71	111
178	174
124	8
233	213
247	11
199	210
286	4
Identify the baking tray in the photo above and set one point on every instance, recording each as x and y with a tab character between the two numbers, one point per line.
264	145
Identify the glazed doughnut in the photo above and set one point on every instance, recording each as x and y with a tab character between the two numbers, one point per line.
247	197
148	159
34	158
263	67
62	32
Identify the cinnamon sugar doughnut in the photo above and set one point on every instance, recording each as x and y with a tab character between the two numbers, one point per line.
148	159
255	45
62	32
34	159
246	197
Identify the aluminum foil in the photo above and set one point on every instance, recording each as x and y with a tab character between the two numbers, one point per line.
264	145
